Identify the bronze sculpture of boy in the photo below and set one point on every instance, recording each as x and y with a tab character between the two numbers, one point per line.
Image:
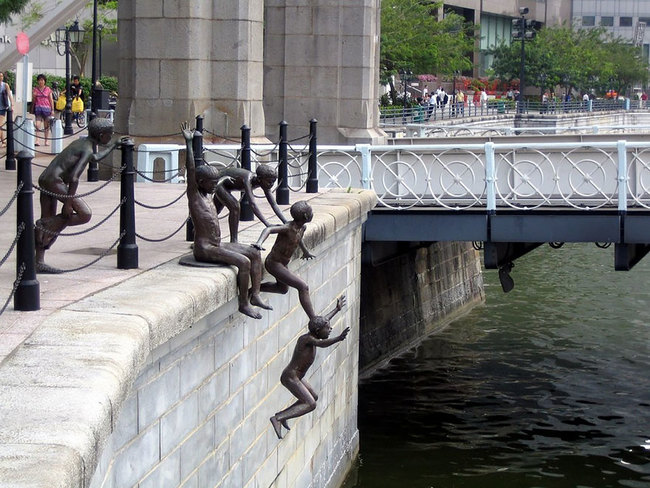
304	353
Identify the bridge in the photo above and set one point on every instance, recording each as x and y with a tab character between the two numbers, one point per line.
508	195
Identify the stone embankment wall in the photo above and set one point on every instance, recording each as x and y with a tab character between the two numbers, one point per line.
159	381
415	294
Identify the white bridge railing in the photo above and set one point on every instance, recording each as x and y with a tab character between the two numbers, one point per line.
583	176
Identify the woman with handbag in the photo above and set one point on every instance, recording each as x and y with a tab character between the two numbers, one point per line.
43	107
6	102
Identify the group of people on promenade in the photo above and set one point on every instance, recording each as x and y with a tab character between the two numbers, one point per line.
456	102
46	103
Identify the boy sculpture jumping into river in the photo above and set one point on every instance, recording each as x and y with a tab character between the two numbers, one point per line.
201	185
288	239
304	353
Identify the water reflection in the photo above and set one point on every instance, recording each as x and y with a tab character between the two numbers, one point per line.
545	386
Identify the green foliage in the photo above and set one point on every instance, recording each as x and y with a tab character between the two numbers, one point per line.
11	7
33	15
413	38
595	60
107	18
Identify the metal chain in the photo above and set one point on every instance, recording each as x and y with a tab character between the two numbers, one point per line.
222	137
65	197
85	231
178	173
101	256
266	153
20	187
16	284
164	238
300	138
154	207
21	228
304	148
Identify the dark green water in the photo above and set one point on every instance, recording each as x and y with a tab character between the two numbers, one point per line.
547	386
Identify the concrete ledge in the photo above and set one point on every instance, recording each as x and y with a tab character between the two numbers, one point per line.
64	387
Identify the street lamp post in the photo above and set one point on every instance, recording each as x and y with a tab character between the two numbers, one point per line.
100	29
520	24
542	86
406	78
66	36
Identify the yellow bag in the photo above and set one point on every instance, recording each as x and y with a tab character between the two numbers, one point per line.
60	103
77	104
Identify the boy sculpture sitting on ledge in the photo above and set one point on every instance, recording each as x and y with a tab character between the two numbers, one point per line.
304	353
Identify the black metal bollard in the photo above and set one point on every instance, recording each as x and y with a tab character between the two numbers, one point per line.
312	171
93	167
197	149
10	161
246	213
282	192
127	249
27	295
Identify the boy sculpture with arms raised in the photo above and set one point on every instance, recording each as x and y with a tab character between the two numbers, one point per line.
293	376
201	185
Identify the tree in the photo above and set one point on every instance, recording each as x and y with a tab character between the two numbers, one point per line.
106	16
596	60
11	7
413	38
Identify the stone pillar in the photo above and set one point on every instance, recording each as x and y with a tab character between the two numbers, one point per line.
181	58
321	61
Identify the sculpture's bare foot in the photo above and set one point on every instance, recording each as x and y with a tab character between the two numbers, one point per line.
285	425
248	310
47	269
258	302
276	426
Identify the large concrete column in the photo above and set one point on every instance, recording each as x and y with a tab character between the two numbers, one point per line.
181	58
321	61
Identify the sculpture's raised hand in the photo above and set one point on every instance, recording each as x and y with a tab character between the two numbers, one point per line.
188	133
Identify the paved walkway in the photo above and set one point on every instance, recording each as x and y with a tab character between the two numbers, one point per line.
57	291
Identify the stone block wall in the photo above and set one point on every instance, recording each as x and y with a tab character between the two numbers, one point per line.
198	414
160	382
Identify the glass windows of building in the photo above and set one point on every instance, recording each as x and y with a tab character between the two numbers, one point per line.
625	21
588	20
607	21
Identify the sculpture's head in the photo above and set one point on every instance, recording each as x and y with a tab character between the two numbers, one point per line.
207	178
301	211
100	130
320	327
266	176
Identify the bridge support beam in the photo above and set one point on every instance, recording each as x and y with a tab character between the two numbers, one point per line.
499	254
627	255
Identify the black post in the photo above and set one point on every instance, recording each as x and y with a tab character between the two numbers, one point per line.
10	161
67	129
312	177
282	192
27	295
93	166
197	149
127	249
94	59
197	142
521	67
246	213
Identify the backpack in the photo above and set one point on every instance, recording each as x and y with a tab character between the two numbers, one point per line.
444	99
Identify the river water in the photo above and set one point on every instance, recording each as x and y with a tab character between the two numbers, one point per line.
546	386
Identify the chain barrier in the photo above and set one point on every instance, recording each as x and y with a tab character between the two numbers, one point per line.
101	256
85	231
82	195
304	148
238	141
164	238
35	151
154	207
20	127
270	151
306	136
13	198
166	180
15	287
21	228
